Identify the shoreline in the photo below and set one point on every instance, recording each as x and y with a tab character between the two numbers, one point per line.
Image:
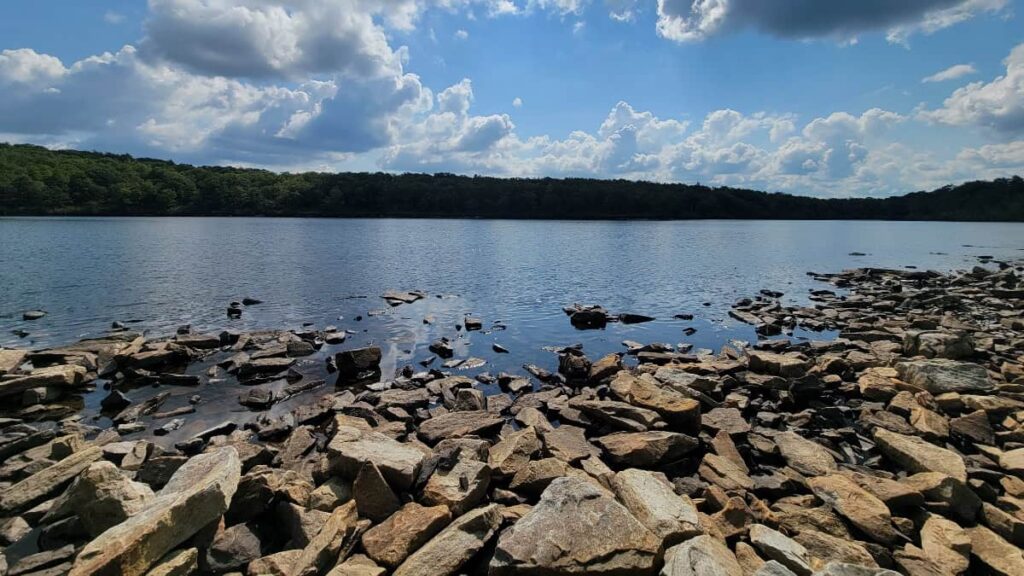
863	450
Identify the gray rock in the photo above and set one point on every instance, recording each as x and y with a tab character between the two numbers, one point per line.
939	376
780	548
701	556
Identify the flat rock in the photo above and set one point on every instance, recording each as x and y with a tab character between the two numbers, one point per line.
940	375
728	420
445	553
460	488
576	528
805	456
351	448
459	424
994	552
917	455
724	473
779	547
680	411
198	493
392	541
42	484
645	449
513	451
701	556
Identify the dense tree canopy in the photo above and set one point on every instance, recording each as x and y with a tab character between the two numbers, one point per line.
38	181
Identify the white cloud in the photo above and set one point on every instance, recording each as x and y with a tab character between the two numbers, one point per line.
951	73
111	17
517	102
694	20
461	34
997	105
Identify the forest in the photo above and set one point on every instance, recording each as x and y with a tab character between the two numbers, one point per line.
37	181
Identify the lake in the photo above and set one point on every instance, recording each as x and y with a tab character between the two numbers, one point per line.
158	273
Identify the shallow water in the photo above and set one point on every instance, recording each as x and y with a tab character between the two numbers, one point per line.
159	273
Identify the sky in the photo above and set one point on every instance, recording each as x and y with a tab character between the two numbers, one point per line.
836	98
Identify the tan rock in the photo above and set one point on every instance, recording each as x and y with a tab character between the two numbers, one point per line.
824	548
917	455
645	449
806	457
461	488
101	497
351	448
197	494
44	483
357	565
681	412
650	498
392	541
459	424
322	551
946	543
177	563
445	553
863	510
513	452
701	556
994	552
724	473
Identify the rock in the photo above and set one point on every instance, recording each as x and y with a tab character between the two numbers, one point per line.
460	488
279	564
392	541
822	547
937	487
567	443
1013	461
535	477
331	494
650	498
917	455
10	360
773	568
552	539
322	551
44	483
606	367
115	401
728	420
946	543
863	510
931	425
299	523
645	449
46	563
202	341
33	314
177	563
996	554
701	556
939	376
620	415
974	427
62	376
233	548
197	494
724	473
351	448
780	548
458	424
682	412
895	495
846	569
787	365
513	452
353	362
101	497
13	529
938	344
445	553
357	565
806	457
374	498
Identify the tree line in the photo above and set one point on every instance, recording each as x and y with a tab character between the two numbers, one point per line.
38	181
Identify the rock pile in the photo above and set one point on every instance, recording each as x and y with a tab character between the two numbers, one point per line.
897	448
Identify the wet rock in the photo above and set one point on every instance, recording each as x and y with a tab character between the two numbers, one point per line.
446	552
916	455
351	448
353	362
650	498
645	449
939	376
115	401
392	541
197	494
551	539
33	314
701	556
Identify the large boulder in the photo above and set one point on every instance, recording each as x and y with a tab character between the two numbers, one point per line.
445	553
351	448
198	494
576	528
353	362
651	499
938	344
101	497
939	375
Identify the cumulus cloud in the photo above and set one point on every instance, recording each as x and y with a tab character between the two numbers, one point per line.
517	102
951	73
694	20
997	105
461	34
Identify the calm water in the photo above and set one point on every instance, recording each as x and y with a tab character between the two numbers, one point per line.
164	272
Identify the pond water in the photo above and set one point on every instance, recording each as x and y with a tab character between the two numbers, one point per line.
156	274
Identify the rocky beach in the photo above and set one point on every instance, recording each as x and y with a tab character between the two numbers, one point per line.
896	447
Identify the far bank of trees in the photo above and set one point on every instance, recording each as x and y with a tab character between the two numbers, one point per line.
38	181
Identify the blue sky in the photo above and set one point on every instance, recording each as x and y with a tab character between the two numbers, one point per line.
802	96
